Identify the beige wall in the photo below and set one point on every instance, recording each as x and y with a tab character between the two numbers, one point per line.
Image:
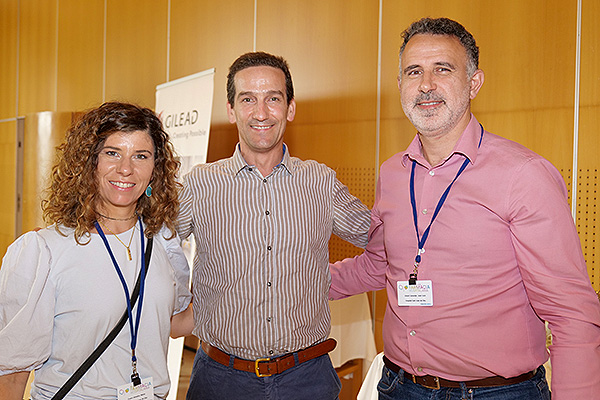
68	55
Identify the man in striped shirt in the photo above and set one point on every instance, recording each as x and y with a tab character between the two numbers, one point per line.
262	221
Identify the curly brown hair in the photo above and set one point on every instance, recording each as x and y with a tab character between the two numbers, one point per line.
72	195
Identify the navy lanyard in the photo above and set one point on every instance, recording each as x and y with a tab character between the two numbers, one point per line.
134	330
421	240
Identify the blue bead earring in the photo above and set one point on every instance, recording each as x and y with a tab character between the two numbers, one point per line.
148	191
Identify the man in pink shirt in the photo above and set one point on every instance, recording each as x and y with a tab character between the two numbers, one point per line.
472	236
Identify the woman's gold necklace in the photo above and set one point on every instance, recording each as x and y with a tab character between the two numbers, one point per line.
118	219
127	246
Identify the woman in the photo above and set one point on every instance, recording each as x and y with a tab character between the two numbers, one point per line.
65	287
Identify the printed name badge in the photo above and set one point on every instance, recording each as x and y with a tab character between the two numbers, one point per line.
420	294
144	391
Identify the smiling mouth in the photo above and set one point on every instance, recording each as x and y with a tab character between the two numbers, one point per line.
429	103
261	127
122	185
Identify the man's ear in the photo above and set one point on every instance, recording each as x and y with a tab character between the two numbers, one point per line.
291	112
230	113
476	83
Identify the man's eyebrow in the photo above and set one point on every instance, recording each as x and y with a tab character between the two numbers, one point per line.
445	64
410	67
252	93
439	63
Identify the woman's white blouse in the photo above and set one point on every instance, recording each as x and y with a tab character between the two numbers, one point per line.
59	300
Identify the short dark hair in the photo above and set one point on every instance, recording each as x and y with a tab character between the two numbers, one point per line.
258	59
448	27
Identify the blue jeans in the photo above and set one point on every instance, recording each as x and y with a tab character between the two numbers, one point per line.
315	379
393	386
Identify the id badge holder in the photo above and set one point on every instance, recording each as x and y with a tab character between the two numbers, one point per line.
143	391
415	293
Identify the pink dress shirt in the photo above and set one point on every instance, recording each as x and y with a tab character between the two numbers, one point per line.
503	255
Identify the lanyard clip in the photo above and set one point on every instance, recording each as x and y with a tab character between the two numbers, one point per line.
413	277
412	280
135	378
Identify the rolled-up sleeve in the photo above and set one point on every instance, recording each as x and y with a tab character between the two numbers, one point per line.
181	269
366	271
26	305
351	218
184	219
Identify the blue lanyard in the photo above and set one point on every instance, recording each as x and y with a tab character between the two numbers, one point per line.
132	329
421	240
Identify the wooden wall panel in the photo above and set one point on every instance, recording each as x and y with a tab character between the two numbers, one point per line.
7	178
588	202
587	219
528	95
337	144
37	52
80	54
590	57
44	131
396	135
547	131
589	145
335	80
210	35
136	51
8	59
332	50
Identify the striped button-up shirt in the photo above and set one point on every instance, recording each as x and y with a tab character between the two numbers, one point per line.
261	269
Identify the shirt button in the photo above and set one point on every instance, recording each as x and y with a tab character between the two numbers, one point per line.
271	352
265	180
267	212
269	284
250	169
268	319
269	248
412	333
431	173
424	211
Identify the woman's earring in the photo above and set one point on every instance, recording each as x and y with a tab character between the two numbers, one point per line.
148	191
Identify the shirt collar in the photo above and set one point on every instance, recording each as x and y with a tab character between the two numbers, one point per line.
239	163
467	145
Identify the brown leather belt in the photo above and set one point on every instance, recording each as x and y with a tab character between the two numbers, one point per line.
269	366
434	382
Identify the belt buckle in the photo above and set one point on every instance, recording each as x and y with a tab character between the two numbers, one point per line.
256	369
424	384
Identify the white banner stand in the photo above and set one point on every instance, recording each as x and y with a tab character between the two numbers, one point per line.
184	107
